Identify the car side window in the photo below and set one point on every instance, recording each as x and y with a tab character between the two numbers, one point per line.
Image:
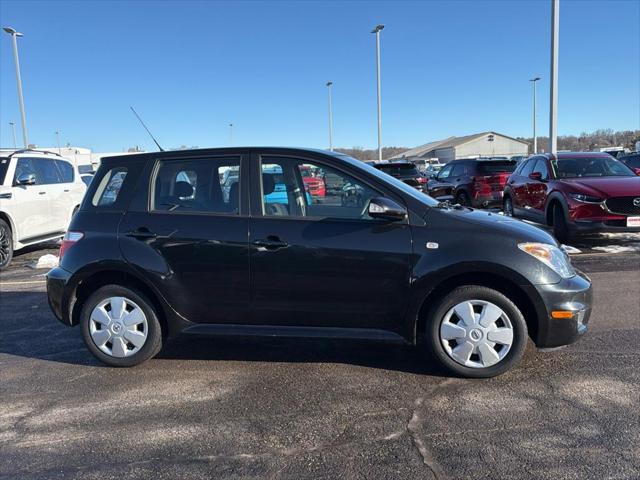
458	170
109	188
528	167
47	171
445	172
25	166
66	171
300	188
541	167
197	186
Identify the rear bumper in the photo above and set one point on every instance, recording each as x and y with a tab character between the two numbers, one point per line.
58	294
494	199
573	294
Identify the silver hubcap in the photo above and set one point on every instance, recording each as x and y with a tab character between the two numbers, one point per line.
118	327
476	334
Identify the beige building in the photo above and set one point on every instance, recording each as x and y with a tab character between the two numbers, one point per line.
485	144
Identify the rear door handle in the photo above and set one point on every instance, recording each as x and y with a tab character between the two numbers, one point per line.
42	193
270	243
141	233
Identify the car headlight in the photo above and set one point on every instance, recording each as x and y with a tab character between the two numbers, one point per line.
581	197
551	256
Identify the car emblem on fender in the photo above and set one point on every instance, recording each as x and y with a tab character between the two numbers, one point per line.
636	202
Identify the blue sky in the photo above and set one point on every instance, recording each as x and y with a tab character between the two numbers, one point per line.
190	68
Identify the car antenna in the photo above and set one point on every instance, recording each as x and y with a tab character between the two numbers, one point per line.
145	127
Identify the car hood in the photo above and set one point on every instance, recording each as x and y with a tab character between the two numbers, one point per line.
504	226
606	186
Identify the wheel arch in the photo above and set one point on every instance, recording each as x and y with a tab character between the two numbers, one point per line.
555	199
14	233
505	284
116	275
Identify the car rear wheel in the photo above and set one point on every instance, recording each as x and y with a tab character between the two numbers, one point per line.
560	227
476	332
6	245
120	326
508	207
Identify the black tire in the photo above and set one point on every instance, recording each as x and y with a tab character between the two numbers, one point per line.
476	292
153	343
6	245
560	227
463	199
507	207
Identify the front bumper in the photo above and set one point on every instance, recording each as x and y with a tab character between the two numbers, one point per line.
572	294
58	294
588	226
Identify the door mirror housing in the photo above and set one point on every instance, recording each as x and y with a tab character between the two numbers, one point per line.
27	179
637	170
386	209
536	176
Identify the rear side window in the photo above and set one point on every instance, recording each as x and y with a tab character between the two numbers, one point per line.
489	168
4	166
66	171
202	185
632	161
109	188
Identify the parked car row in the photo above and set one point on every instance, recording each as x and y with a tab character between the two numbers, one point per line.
39	192
572	192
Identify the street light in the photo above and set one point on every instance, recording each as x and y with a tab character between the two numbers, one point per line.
329	85
231	134
57	132
553	97
13	129
535	138
377	31
14	36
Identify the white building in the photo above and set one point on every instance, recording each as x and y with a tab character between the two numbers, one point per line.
485	144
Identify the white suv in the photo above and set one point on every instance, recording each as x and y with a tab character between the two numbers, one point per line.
39	193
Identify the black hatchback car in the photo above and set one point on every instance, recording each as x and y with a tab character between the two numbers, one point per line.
157	249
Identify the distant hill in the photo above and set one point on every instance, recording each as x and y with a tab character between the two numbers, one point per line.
362	154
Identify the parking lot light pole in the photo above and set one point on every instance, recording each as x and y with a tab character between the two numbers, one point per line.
13	130
57	132
553	97
14	37
377	31
231	134
535	137
329	85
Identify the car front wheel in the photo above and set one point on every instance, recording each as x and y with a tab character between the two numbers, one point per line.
476	332
120	326
6	245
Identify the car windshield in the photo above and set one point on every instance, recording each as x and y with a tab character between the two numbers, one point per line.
4	166
400	185
496	167
577	167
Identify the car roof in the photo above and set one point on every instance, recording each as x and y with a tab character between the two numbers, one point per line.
560	155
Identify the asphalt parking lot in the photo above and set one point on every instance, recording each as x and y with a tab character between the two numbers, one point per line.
296	409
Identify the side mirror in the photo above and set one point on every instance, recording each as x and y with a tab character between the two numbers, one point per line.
27	179
536	176
386	209
637	170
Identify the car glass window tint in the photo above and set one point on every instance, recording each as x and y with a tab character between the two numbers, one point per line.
25	167
4	166
47	171
198	185
109	188
541	167
445	172
66	171
528	167
458	170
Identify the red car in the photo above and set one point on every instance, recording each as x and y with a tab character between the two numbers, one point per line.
575	192
315	184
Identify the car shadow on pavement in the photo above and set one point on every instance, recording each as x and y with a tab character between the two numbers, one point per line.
30	330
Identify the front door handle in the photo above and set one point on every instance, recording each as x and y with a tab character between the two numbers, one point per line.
42	193
270	243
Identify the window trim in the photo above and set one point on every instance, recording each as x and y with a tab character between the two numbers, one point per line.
259	213
156	169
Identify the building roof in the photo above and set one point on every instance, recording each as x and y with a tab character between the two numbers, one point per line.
448	143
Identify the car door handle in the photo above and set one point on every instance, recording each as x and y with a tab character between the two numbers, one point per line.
66	190
270	243
42	193
141	233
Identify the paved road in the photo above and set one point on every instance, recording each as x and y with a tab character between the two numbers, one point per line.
312	409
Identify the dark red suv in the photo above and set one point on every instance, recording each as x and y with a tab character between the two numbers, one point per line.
575	192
